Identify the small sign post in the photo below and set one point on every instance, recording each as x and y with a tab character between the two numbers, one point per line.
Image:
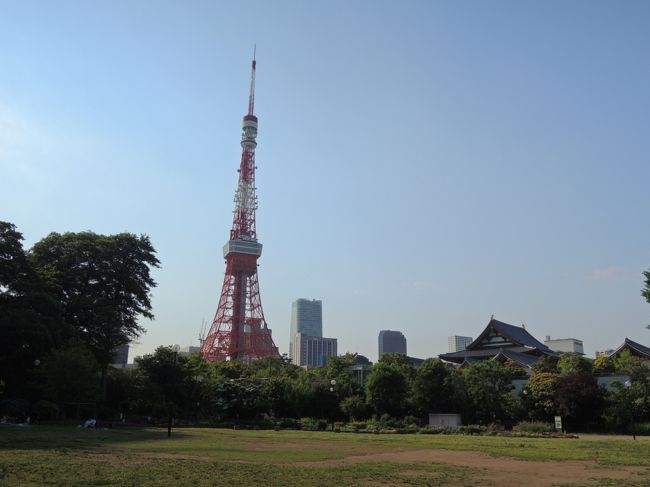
558	423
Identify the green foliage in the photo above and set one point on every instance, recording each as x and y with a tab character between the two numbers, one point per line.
626	404
631	365
570	362
354	407
401	362
432	387
546	363
578	397
103	285
488	386
539	398
69	375
535	427
387	387
604	365
30	322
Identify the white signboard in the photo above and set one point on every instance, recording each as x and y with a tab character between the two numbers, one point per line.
558	423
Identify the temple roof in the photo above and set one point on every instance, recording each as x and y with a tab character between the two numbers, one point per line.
513	342
633	347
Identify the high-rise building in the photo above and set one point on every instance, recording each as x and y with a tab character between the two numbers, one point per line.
307	318
458	343
391	342
310	351
120	356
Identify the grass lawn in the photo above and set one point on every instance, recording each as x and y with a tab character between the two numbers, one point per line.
67	456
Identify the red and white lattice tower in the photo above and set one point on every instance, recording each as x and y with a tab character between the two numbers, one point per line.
239	330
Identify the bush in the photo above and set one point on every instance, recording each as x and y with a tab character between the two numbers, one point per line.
472	429
358	425
313	424
387	421
287	423
535	427
437	430
641	429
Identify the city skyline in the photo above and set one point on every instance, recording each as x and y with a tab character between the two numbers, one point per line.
419	170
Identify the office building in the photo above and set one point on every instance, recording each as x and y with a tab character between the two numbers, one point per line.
458	343
310	351
307	318
567	345
391	342
120	356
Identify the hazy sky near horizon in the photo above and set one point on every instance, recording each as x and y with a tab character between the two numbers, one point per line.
421	164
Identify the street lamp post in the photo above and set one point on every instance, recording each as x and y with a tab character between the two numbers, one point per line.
332	386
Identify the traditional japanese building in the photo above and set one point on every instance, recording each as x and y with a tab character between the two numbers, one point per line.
504	343
635	349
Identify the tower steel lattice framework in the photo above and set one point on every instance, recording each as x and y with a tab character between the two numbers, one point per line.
239	330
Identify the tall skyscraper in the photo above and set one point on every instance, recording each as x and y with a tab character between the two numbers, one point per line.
391	342
310	351
458	343
307	318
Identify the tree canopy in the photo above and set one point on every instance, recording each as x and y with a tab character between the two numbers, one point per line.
103	283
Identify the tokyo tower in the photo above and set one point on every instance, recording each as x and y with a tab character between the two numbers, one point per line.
239	330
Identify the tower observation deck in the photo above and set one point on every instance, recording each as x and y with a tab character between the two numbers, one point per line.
239	330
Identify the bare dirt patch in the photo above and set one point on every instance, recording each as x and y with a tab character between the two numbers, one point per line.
502	472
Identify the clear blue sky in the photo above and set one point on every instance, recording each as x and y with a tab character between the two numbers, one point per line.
422	165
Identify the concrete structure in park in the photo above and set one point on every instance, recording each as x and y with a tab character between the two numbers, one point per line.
458	343
566	345
448	420
310	351
391	342
307	318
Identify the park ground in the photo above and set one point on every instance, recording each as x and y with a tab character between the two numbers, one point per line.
68	456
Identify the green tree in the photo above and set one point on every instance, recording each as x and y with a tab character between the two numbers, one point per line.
167	381
432	389
488	385
387	389
604	365
570	362
69	375
354	407
539	396
103	284
579	398
633	366
30	322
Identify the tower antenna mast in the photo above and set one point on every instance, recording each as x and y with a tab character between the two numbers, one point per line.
239	330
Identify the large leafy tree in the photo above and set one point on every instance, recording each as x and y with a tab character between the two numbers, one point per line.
103	284
539	395
432	387
578	397
488	385
387	389
29	314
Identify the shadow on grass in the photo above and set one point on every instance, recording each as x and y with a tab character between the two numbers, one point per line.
37	437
